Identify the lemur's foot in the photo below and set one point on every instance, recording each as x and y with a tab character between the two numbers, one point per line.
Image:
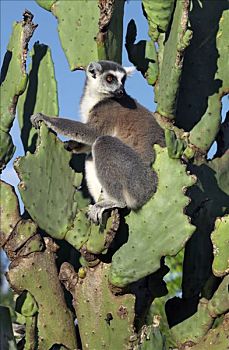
96	213
36	119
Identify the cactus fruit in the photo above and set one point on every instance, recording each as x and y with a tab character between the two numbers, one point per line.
157	222
39	96
14	81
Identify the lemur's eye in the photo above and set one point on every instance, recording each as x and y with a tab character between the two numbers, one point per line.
110	78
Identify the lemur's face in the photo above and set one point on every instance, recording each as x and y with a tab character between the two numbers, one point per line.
107	78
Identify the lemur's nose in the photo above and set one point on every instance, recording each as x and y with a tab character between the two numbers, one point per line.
119	92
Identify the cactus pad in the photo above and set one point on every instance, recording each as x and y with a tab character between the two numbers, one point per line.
9	209
158	14
220	242
171	65
216	339
112	315
40	95
210	121
161	222
46	4
37	274
48	185
78	31
14	82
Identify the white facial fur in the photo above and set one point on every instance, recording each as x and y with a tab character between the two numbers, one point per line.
130	70
95	92
97	89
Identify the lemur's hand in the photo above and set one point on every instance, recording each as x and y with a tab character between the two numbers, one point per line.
36	119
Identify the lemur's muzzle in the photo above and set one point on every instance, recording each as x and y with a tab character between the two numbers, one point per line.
119	92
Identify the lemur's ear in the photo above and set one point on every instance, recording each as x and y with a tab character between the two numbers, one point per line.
94	68
130	70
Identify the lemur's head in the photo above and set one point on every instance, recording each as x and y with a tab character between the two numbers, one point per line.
107	78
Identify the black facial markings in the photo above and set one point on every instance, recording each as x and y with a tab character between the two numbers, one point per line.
109	65
123	80
110	78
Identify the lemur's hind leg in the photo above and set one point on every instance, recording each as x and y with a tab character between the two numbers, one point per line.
96	211
123	176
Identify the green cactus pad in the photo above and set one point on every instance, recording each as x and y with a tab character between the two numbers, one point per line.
80	230
219	303
26	304
77	27
195	327
34	244
111	325
14	83
220	243
210	199
46	4
7	148
48	185
37	274
24	230
160	228
9	209
100	236
142	54
158	14
40	95
171	66
210	121
16	78
216	339
113	40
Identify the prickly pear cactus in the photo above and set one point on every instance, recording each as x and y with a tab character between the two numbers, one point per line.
121	284
84	38
40	94
163	223
13	81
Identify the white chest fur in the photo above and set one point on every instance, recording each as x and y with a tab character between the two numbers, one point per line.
93	183
87	103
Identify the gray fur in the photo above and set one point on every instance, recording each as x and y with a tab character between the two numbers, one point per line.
121	134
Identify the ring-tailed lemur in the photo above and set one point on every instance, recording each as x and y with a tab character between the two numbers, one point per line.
121	134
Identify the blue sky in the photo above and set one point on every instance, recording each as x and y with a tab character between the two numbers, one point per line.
70	84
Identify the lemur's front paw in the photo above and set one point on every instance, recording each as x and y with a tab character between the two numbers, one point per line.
95	213
36	119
